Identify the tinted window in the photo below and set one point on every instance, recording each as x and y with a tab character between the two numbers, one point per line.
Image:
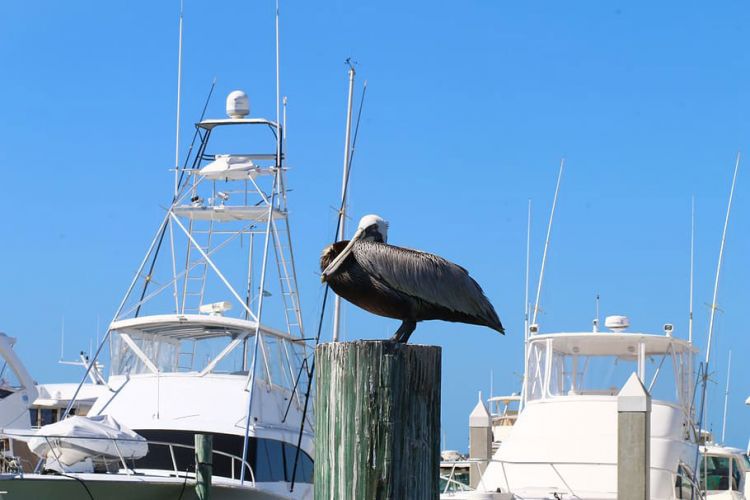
271	460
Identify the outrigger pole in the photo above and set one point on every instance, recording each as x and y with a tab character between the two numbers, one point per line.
714	306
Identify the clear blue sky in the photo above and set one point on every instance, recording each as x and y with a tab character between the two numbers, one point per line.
470	107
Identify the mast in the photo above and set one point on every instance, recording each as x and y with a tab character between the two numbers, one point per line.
344	182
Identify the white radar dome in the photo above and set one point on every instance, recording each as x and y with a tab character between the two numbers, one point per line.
617	323
238	104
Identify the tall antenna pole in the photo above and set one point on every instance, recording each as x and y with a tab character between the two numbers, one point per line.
546	242
526	292
692	266
726	399
704	376
526	307
278	90
344	182
179	100
718	267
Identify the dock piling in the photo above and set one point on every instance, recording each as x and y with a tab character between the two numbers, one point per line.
377	420
203	465
633	441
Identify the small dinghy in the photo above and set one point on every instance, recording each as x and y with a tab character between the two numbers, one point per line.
75	439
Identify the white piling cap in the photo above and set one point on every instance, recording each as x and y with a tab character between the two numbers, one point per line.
479	416
633	396
238	104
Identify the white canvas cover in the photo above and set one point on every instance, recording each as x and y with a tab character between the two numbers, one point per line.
74	439
231	167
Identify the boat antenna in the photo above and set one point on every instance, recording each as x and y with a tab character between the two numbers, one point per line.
526	287
596	319
692	266
526	304
714	306
179	99
311	372
62	339
726	399
546	242
341	225
278	89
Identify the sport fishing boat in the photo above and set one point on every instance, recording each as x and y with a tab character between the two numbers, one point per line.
207	340
564	440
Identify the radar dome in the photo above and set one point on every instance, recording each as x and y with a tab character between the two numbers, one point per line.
617	323
238	104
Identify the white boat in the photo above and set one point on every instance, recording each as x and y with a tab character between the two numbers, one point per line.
214	346
564	441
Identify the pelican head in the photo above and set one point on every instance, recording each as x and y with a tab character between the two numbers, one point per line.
371	228
374	228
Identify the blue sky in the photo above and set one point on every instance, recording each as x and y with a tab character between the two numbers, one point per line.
470	107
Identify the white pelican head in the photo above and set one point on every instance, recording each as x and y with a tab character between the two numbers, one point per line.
371	228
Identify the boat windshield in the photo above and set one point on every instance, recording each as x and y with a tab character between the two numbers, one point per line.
137	352
720	473
567	365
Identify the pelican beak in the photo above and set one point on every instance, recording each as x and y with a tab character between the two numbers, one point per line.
333	266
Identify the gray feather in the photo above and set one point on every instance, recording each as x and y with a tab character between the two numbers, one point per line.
425	276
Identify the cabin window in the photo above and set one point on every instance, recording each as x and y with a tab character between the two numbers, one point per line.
715	473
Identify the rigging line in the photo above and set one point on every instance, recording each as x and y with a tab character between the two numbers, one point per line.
307	393
356	130
195	133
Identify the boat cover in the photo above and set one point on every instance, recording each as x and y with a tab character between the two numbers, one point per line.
232	167
77	438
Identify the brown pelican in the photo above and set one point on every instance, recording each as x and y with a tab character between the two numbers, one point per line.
402	283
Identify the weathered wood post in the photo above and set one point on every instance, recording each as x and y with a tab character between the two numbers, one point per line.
633	441
480	441
203	465
377	421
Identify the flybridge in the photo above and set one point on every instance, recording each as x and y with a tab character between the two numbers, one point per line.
224	240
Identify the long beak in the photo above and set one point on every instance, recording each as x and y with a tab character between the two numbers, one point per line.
333	266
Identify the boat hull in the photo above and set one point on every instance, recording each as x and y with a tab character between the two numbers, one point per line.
117	487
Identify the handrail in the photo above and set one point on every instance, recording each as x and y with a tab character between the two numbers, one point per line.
476	462
50	439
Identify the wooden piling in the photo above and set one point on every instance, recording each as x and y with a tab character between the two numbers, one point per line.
633	441
203	465
377	421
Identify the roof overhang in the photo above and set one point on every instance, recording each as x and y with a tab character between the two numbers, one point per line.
614	344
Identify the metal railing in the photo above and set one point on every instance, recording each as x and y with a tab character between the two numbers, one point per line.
54	444
482	465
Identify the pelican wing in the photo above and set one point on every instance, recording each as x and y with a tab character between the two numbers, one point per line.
427	277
